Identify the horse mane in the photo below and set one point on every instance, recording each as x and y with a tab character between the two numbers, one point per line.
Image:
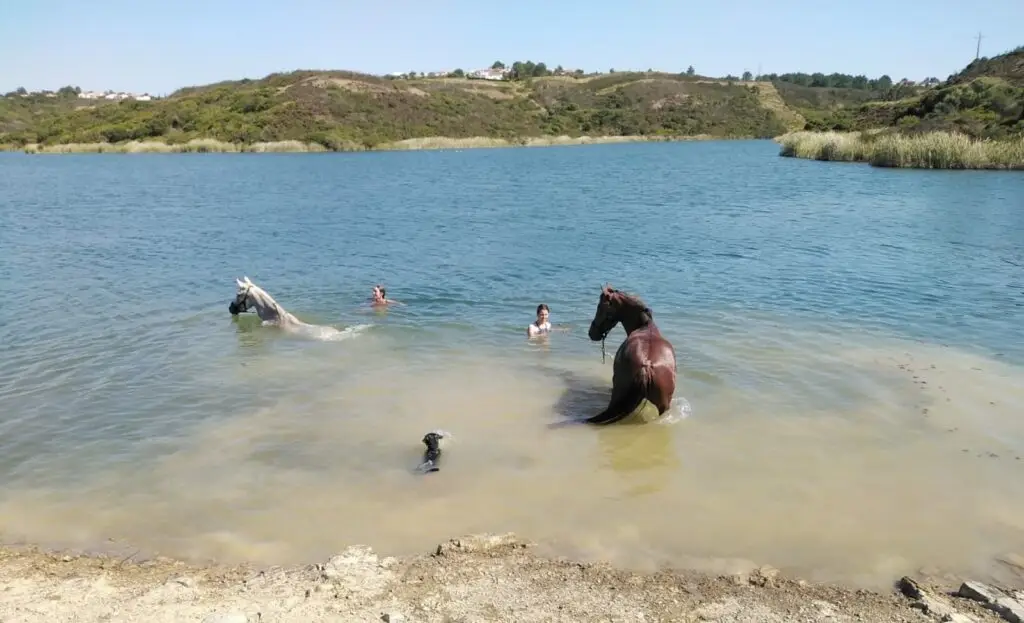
266	297
634	301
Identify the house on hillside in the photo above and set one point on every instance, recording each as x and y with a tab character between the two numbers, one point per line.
488	74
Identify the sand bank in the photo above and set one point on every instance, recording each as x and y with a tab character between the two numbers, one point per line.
484	578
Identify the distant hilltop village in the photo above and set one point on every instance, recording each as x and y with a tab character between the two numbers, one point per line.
497	71
521	70
85	95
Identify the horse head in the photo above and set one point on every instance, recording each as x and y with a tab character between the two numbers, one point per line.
606	316
250	295
613	307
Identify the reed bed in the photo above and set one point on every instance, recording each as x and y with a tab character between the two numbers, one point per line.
934	150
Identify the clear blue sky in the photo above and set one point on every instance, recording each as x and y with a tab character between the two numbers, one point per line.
158	46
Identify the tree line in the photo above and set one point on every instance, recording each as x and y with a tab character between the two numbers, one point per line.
837	80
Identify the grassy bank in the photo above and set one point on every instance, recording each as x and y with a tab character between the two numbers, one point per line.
437	142
934	150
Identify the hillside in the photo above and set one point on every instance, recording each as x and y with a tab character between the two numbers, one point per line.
984	100
1008	67
341	110
345	110
19	114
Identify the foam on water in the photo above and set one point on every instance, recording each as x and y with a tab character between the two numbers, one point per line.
330	334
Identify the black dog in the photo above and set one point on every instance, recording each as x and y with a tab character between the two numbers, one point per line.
432	455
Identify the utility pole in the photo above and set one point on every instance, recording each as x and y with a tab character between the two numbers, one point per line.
977	50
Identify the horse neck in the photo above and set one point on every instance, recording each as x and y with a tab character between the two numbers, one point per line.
637	317
267	302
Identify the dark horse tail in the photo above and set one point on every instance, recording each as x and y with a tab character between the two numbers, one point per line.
627	404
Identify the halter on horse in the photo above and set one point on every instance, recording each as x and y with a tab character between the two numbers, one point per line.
644	369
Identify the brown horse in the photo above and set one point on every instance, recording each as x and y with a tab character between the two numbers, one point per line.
644	369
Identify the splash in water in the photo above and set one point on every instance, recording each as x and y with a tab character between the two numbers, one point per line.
330	334
678	411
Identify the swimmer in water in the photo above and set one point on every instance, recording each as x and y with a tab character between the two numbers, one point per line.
542	325
379	298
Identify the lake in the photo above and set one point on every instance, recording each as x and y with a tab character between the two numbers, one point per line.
850	343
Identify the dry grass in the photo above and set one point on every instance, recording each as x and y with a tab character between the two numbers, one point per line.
199	145
442	142
835	146
412	144
935	150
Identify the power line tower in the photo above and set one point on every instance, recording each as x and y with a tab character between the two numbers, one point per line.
977	50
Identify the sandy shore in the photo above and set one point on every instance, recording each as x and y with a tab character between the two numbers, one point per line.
484	578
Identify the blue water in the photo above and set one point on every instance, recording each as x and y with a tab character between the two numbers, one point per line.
117	271
475	238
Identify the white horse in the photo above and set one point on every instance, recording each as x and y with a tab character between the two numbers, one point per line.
271	313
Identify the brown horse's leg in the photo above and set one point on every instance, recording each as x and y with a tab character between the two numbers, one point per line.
624	400
626	395
662	388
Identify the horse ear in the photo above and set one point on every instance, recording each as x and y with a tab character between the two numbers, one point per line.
247	281
238	282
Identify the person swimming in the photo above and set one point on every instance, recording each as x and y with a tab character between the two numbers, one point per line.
380	297
540	326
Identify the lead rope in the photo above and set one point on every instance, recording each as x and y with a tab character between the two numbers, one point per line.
602	349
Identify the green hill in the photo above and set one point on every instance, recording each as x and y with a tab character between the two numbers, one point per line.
345	110
1008	67
984	100
972	120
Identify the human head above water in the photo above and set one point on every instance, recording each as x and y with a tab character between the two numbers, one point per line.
543	312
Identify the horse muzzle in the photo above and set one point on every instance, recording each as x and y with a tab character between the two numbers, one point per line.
596	334
237	308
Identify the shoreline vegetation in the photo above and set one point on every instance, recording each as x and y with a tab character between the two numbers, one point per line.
932	150
201	145
482	577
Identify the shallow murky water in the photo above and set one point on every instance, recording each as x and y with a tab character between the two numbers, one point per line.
863	459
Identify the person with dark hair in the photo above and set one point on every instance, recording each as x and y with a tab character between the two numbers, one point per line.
380	297
540	326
